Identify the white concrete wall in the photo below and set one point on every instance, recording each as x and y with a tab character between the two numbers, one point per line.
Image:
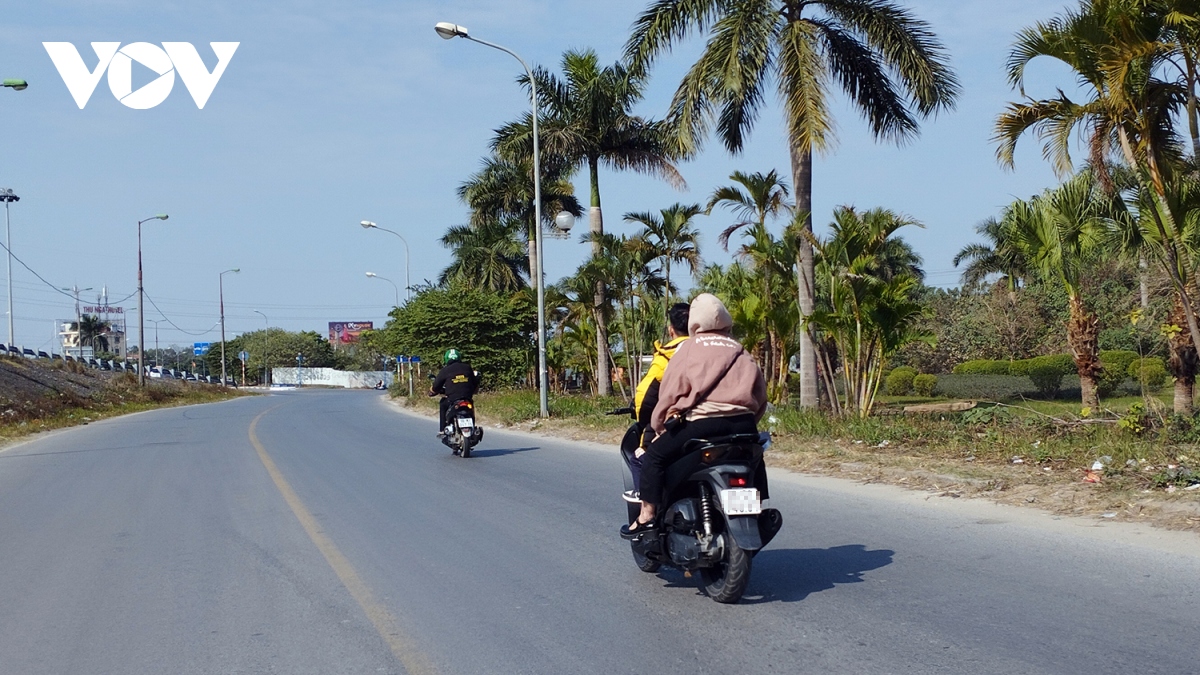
329	377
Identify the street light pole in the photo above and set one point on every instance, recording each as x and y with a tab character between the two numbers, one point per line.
157	353
221	287
367	224
8	196
372	275
266	327
450	31
142	304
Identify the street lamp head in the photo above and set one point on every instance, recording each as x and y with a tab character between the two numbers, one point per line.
564	221
367	224
371	274
7	195
449	31
15	85
162	216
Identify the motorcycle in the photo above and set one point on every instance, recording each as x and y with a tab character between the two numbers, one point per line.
714	522
461	432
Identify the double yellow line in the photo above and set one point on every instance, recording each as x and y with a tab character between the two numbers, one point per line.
403	647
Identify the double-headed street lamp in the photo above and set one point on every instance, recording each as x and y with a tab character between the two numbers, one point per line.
367	225
372	275
221	287
450	31
157	354
8	197
142	304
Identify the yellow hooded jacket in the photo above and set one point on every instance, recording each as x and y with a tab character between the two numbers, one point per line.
646	396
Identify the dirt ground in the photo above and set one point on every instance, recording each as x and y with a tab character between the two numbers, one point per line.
1060	491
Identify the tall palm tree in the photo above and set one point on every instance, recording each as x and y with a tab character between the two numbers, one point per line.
93	332
590	122
503	189
488	255
671	237
888	62
996	256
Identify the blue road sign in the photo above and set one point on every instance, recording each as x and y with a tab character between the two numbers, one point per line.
200	348
414	359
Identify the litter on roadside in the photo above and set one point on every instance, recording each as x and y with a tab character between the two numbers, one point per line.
1092	477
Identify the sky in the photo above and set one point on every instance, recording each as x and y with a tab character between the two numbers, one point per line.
333	113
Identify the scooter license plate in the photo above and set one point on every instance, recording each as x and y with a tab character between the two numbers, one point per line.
465	423
741	502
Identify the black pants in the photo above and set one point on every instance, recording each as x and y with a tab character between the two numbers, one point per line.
669	447
444	410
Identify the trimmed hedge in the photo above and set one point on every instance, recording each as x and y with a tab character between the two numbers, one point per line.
982	367
985	387
1063	363
900	381
924	385
1047	377
1151	373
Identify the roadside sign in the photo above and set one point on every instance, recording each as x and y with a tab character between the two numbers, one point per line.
200	348
401	358
414	359
244	356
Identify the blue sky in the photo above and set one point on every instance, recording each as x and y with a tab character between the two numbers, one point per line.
332	113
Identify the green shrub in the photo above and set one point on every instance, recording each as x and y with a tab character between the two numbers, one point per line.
923	385
1020	367
1151	373
900	381
1116	366
982	367
1047	377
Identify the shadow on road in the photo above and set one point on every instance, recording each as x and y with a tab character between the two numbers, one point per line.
791	575
497	452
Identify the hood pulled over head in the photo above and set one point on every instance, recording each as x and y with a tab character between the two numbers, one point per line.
708	315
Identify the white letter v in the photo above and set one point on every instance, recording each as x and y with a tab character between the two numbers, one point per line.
80	82
199	82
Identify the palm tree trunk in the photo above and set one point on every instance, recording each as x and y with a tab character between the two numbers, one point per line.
1083	336
596	225
1182	361
805	271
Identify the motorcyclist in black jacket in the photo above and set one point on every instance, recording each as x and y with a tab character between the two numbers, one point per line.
456	381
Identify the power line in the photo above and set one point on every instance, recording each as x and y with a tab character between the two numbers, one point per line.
172	323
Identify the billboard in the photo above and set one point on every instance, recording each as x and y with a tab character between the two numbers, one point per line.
343	333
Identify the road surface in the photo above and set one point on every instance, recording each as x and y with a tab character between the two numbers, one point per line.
326	532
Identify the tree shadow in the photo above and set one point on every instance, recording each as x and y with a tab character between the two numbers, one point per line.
791	575
499	452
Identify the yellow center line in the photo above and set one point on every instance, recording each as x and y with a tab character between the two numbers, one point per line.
403	647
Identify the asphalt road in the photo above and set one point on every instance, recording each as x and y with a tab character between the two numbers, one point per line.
325	532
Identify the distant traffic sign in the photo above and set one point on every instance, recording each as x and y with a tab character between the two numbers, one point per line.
244	356
200	348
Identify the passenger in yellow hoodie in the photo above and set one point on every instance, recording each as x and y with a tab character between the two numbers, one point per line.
646	396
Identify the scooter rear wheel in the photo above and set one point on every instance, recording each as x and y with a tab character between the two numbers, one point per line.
727	581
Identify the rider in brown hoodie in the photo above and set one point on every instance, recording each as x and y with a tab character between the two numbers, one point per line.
712	385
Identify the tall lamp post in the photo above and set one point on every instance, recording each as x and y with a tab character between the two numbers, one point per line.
372	275
266	327
8	197
367	224
450	31
142	304
221	288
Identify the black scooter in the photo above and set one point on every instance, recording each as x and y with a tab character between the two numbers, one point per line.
714	523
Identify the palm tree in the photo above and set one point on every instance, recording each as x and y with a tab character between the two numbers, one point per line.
997	256
671	238
590	122
1060	233
888	62
1122	53
503	190
755	199
93	332
488	256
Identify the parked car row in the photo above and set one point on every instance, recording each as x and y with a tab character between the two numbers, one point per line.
154	372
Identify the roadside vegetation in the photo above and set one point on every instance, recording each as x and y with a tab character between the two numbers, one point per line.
39	397
1068	352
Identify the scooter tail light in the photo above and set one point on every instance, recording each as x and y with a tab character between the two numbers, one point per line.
737	481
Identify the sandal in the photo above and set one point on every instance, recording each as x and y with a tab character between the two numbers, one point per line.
636	529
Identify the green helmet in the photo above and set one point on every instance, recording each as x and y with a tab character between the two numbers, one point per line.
451	355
